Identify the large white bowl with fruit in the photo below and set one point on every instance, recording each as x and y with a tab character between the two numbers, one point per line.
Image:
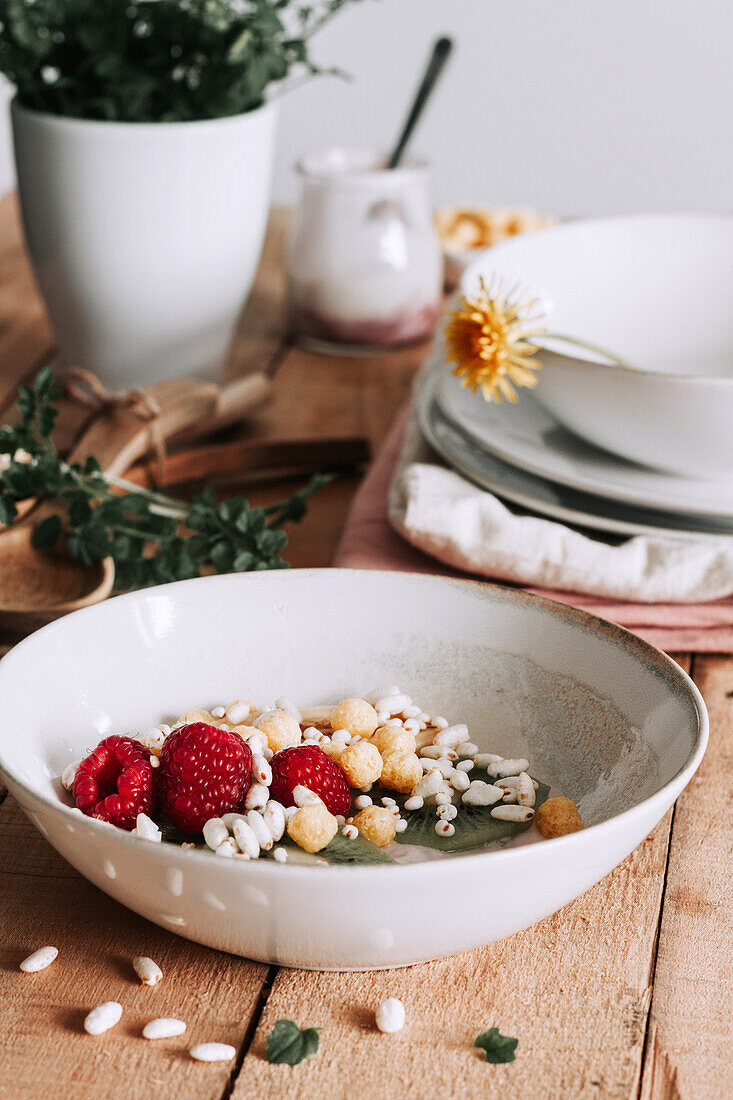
573	726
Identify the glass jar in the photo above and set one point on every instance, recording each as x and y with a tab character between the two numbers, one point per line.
365	269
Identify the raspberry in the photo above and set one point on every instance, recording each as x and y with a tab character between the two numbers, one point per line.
308	766
115	783
204	772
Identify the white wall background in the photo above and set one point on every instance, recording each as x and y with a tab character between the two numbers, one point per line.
574	106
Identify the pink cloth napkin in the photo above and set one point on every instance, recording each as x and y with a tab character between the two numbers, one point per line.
369	542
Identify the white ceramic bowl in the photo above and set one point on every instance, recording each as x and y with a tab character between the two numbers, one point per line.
655	289
603	716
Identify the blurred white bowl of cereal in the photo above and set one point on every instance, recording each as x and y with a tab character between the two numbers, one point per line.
465	230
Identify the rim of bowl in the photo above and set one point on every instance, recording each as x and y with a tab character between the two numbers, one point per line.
373	173
79	123
655	658
578	359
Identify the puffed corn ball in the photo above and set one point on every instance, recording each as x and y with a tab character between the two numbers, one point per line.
401	771
356	716
281	730
377	824
361	763
196	716
558	817
334	749
312	827
393	738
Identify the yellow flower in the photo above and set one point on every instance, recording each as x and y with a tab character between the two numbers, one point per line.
486	336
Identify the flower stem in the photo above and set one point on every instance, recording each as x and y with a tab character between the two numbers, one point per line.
578	343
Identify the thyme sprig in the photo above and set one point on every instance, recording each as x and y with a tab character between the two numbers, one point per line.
152	538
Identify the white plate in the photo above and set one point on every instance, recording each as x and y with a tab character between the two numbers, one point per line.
530	437
547	497
603	716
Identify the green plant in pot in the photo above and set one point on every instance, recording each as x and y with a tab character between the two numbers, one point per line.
144	142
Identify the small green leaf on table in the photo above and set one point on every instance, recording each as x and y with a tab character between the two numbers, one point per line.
498	1048
288	1045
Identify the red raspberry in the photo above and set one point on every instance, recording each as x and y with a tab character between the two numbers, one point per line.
115	783
307	765
204	772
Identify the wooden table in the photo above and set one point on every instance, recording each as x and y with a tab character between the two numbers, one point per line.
626	993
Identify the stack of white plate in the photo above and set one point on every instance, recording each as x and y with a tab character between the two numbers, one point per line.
646	451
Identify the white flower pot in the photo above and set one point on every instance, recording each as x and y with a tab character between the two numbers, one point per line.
145	237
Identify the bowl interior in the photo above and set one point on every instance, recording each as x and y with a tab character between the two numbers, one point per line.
652	288
602	716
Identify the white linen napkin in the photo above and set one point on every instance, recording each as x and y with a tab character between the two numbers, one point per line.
446	516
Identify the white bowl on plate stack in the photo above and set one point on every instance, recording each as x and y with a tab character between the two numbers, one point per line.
626	450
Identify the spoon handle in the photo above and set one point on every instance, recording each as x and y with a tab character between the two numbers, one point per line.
438	58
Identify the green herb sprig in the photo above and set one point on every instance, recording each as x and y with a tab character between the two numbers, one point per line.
155	60
152	538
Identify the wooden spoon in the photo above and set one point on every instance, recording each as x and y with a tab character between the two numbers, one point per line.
37	587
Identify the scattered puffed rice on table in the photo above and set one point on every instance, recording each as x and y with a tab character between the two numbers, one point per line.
444	828
218	712
280	855
165	1027
39	960
350	831
362	801
227	849
390	1016
102	1018
467	748
400	825
465	766
447	812
212	1052
147	971
261	770
414	803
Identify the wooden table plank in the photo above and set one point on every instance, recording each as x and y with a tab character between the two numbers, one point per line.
691	1025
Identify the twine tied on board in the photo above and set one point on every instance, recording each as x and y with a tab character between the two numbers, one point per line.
84	387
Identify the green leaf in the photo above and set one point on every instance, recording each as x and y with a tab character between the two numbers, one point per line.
499	1048
475	827
288	1045
47	533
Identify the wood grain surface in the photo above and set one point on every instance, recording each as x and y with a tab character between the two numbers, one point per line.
626	993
